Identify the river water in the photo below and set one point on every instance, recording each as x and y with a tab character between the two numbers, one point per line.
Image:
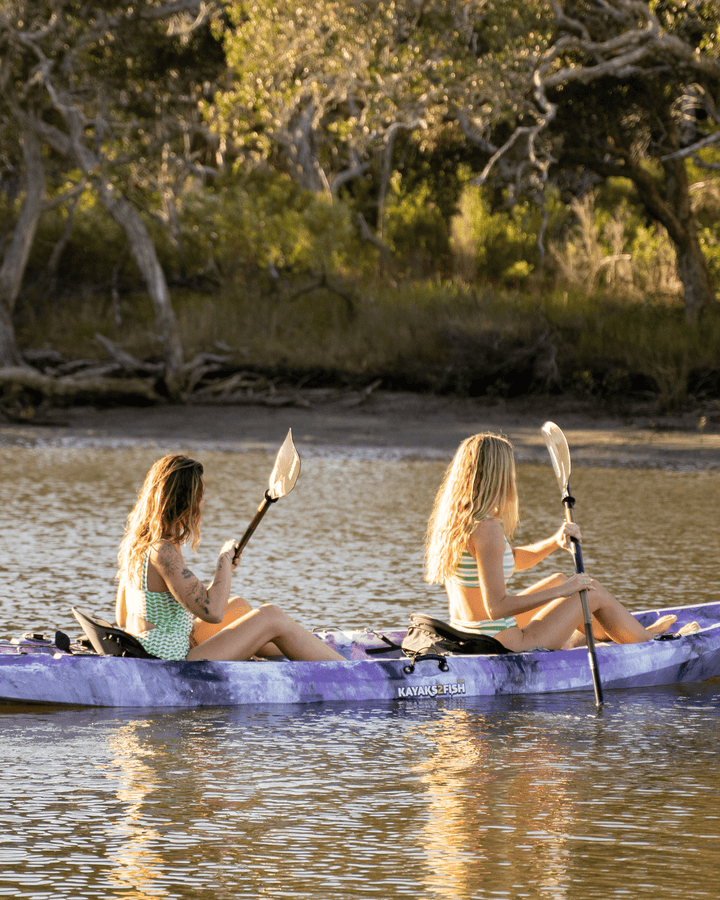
487	798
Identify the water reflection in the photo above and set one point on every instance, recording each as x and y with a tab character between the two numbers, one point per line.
535	797
136	865
264	802
499	811
531	797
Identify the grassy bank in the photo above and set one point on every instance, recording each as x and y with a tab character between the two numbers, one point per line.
422	335
280	281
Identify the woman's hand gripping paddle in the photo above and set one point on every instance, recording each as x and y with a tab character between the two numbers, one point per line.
282	480
560	456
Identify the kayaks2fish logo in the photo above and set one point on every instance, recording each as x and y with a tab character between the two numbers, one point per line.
432	690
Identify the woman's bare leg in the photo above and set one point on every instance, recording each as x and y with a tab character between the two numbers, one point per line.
555	623
578	639
659	626
236	609
246	635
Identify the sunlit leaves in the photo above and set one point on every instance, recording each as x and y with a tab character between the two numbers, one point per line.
322	85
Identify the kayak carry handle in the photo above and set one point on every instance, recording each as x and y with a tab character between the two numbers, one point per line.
421	657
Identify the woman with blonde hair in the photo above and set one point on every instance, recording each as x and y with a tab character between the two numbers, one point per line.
468	550
169	610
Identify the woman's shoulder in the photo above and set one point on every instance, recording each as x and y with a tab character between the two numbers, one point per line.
490	525
488	531
164	554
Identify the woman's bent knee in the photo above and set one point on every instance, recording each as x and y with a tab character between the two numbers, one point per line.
271	613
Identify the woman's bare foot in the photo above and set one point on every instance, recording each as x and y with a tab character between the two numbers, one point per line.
662	624
690	628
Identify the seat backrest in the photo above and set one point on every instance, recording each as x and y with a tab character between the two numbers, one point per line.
107	639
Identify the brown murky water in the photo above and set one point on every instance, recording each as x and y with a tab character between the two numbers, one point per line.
501	798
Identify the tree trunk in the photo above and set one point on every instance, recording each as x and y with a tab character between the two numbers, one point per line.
142	246
668	202
143	250
18	251
9	352
691	263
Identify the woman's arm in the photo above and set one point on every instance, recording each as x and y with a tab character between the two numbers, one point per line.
121	604
530	555
207	603
488	545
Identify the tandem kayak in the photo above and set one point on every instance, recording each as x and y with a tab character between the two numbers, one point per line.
34	669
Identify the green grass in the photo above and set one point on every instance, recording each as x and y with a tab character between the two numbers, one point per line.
431	334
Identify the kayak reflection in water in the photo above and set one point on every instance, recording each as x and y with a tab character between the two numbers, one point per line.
168	608
467	549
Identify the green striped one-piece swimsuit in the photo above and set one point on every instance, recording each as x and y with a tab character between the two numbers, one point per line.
170	638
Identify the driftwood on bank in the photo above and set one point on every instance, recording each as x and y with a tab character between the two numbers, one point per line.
486	364
126	361
93	383
47	380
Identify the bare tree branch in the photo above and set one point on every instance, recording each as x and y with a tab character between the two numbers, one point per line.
601	45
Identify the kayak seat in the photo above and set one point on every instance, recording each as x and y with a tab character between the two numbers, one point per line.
109	640
427	635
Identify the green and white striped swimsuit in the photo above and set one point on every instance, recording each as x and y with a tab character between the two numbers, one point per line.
466	574
170	638
466	570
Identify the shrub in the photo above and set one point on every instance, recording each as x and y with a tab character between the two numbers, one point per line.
500	245
266	220
416	230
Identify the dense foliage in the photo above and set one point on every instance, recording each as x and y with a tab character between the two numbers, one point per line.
320	158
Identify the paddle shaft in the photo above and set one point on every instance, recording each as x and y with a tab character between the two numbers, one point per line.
262	509
569	502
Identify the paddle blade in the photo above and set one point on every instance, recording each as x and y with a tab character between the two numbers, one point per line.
559	454
286	469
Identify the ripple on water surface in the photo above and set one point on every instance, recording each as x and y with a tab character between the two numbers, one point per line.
515	797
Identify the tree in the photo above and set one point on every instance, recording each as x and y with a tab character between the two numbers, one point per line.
95	92
327	91
18	250
624	88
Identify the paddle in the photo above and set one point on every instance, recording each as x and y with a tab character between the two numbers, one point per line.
282	480
560	456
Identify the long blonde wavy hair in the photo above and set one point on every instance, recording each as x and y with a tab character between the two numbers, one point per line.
167	509
480	482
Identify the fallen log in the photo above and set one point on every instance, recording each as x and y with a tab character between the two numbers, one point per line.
128	362
77	386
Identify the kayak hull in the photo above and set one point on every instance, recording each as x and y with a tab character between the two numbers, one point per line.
36	672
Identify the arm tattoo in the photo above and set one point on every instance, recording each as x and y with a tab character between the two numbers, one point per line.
166	558
203	601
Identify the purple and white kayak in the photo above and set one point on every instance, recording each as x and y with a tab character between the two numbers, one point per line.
34	670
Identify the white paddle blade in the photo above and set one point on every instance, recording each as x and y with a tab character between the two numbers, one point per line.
286	469
559	453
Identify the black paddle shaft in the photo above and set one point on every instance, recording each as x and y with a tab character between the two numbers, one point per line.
569	503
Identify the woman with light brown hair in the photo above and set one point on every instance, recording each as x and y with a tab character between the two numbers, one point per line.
169	609
468	550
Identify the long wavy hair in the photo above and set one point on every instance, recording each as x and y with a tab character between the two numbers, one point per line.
479	483
167	509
